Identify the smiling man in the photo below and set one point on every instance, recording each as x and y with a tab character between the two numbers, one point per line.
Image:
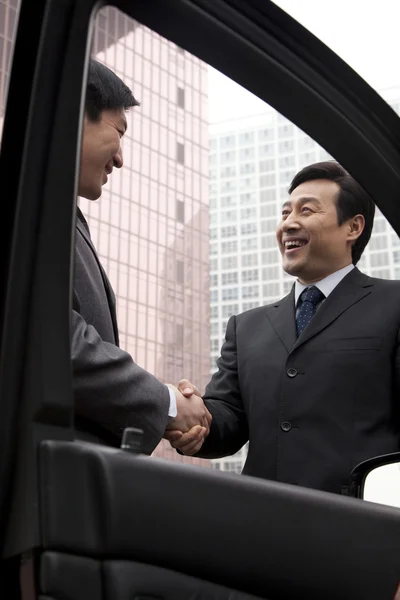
111	391
312	381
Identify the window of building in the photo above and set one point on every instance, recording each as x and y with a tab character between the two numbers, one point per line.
379	225
249	260
214	280
214	312
247	198
250	291
214	328
379	259
227	141
230	309
230	293
268	241
269	273
248	228
246	138
214	296
228	171
266	165
287	161
269	210
381	273
266	150
267	196
246	154
180	211
267	180
266	134
180	93
227	247
229	231
270	257
229	278
229	215
180	273
250	305
286	130
250	275
229	262
286	146
249	243
268	226
228	201
287	286
214	264
248	213
378	242
215	345
271	290
247	168
180	153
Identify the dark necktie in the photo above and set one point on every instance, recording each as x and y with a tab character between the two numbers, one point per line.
308	301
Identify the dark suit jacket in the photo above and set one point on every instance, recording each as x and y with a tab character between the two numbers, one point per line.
312	407
111	391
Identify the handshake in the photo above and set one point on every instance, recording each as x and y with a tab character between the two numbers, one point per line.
188	430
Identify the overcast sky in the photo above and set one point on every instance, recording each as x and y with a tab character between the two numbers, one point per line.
365	33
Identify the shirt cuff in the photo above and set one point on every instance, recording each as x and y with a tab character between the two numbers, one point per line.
173	410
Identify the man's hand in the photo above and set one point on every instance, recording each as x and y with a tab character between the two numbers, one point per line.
191	411
190	442
187	388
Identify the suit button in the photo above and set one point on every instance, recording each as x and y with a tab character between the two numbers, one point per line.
291	372
286	426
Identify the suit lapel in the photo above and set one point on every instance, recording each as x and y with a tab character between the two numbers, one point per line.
348	292
84	230
282	318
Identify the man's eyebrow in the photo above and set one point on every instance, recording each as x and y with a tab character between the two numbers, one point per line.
302	200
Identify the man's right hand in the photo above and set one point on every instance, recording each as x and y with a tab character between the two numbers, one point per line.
191	412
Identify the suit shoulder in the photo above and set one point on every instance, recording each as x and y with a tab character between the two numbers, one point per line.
258	311
386	284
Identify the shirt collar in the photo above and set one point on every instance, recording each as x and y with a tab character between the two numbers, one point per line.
326	286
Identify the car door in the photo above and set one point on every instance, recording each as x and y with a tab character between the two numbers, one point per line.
105	523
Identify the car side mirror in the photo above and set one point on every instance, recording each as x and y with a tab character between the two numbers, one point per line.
378	480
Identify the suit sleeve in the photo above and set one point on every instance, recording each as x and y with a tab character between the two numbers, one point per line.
112	391
229	428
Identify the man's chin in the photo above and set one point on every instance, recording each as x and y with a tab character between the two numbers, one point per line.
291	268
90	194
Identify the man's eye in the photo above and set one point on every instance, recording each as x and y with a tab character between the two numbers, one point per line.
285	213
306	208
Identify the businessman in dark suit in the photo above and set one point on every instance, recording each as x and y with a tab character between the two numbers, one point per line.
111	391
312	381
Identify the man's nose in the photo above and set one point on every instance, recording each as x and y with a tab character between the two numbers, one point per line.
119	159
290	222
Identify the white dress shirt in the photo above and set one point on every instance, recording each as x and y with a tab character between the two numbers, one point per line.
326	286
173	409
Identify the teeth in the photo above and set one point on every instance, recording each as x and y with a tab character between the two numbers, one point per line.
294	244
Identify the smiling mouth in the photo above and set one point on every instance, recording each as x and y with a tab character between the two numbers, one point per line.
294	246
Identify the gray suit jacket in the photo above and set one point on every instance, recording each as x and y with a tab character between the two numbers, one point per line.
111	391
311	407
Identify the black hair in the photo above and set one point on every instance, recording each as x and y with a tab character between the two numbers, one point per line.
105	91
351	200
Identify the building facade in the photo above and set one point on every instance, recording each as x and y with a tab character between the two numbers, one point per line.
252	162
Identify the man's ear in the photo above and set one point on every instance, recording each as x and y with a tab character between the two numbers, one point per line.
356	226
